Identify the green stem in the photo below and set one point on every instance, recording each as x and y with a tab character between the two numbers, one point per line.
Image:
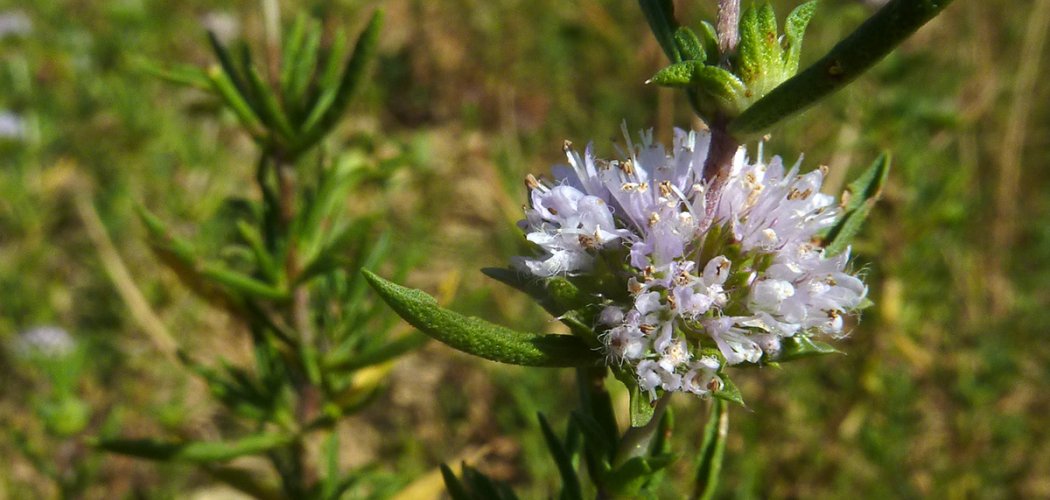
596	403
712	451
636	440
850	58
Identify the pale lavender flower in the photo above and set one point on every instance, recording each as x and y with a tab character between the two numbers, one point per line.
46	341
11	126
14	23
650	209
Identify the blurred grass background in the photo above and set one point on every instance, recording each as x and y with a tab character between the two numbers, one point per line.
942	393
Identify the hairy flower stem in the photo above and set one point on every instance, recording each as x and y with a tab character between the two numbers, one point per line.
713	451
717	166
728	28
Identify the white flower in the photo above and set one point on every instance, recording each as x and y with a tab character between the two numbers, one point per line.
12	126
569	225
14	23
47	341
740	274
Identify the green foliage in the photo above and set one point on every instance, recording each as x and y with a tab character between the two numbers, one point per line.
721	86
712	451
289	272
203	452
858	200
937	391
801	346
479	337
851	57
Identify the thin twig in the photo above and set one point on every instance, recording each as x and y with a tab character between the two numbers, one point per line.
140	309
1012	152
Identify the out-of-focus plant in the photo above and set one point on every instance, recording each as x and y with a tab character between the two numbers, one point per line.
670	265
289	275
53	360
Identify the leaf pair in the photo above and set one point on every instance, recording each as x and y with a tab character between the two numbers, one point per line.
758	87
724	85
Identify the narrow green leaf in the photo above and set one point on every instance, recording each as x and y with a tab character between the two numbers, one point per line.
337	53
293	42
569	480
641	407
331	106
195	451
850	58
712	80
661	438
661	443
358	285
681	74
483	487
860	197
237	102
597	447
481	338
801	346
709	39
311	360
269	107
328	256
729	392
596	404
721	84
628	479
331	479
772	54
303	69
290	52
181	74
660	15
556	295
749	55
163	237
241	283
689	46
794	30
181	257
266	262
244	480
868	185
712	451
381	354
231	71
352	478
455	488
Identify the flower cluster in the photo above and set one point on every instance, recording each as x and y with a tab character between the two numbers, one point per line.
737	269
